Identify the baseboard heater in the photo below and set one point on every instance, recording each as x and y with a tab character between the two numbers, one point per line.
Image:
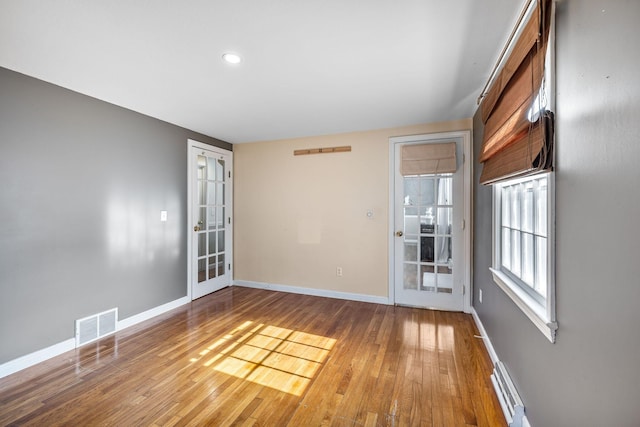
508	396
96	326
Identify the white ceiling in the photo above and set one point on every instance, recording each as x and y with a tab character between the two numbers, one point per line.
311	67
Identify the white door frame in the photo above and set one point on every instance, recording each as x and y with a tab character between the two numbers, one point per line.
466	213
190	164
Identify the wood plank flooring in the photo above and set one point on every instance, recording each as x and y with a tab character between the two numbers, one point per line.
247	357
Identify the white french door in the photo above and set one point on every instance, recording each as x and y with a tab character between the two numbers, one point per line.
210	212
430	247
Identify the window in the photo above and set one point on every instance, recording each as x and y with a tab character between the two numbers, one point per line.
523	247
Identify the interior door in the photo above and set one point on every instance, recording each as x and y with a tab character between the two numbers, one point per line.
429	251
210	219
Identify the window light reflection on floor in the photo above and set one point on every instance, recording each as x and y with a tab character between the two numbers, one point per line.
279	358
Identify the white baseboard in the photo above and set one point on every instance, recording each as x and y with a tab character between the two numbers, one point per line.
312	291
38	356
156	311
485	337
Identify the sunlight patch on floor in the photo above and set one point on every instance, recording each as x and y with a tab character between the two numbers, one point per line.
279	358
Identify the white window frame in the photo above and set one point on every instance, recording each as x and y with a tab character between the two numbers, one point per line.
543	315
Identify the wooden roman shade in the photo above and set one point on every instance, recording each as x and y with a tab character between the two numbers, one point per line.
422	159
515	143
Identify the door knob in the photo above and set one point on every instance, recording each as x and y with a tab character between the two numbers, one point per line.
399	233
196	228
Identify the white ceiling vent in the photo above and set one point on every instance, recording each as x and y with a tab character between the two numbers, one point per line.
96	326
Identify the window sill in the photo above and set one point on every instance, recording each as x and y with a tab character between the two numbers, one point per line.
530	307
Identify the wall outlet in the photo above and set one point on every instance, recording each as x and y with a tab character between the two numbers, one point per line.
339	271
163	216
480	296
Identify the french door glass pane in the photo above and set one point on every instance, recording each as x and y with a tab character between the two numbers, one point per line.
202	198
445	190
212	267
212	243
221	265
411	251
202	270
211	193
211	169
444	220
410	276
220	175
202	244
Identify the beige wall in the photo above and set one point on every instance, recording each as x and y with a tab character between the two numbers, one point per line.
297	218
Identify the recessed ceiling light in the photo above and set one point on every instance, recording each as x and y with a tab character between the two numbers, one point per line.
231	58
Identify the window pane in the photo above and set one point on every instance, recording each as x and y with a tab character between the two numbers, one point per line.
516	196
527	207
506	206
527	259
506	248
515	252
541	266
541	207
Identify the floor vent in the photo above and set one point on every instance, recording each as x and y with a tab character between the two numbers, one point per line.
96	326
508	396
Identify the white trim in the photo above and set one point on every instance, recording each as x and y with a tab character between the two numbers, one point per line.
313	292
466	213
529	306
36	357
485	338
151	313
26	361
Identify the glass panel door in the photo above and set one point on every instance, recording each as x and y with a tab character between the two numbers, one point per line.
211	222
429	257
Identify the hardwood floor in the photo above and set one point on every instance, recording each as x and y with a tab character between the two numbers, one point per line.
247	357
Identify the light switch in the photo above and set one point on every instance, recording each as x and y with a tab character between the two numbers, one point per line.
163	216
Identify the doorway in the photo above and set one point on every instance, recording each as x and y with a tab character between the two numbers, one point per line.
429	215
210	204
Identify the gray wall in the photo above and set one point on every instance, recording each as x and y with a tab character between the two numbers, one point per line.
590	376
82	184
